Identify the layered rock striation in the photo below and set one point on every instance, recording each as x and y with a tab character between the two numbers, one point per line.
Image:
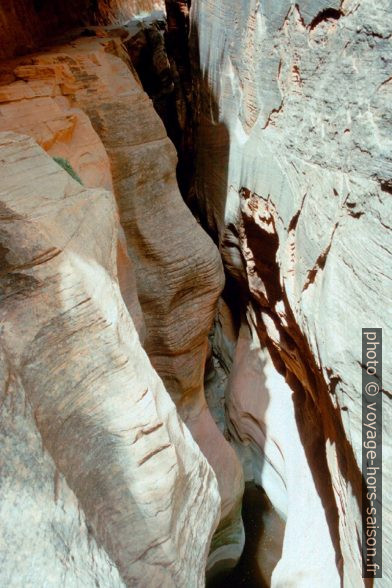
83	103
117	320
97	463
293	180
27	24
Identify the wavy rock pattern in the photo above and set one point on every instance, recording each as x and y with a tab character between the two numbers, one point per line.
74	373
293	175
82	101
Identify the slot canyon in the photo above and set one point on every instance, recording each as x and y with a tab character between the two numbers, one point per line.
195	229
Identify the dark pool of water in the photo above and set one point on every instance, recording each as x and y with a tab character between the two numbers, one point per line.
264	531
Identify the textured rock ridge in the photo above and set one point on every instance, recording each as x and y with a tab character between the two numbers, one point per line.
75	375
293	169
82	101
27	24
119	320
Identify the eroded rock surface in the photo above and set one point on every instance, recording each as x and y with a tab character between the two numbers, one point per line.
75	374
27	24
293	177
82	101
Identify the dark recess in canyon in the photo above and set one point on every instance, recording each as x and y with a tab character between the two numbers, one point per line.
195	227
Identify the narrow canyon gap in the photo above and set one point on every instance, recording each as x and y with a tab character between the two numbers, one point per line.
195	210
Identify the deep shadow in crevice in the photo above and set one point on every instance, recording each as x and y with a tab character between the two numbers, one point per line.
325	15
386	186
159	52
262	548
319	421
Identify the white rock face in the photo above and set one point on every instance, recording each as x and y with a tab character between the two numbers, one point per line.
294	175
45	538
261	410
102	484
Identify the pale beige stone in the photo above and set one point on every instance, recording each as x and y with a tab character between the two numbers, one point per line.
75	376
178	269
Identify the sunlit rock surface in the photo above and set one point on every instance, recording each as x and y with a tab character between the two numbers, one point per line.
294	176
101	482
82	102
261	415
291	111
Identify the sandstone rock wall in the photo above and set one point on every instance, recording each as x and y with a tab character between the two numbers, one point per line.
27	24
74	373
293	178
291	105
82	101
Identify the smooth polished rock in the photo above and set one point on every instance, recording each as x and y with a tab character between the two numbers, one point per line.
294	176
102	484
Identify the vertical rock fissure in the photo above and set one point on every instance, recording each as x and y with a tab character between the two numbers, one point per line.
293	358
246	332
